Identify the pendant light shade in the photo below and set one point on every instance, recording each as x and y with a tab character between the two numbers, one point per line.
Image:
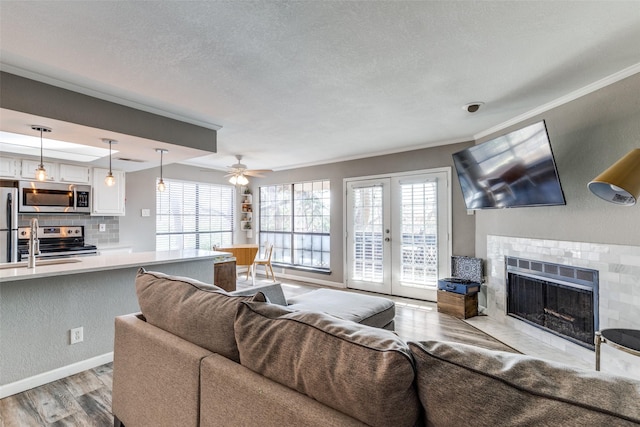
161	186
620	183
110	179
41	172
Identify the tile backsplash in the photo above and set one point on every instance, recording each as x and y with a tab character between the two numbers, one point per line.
92	233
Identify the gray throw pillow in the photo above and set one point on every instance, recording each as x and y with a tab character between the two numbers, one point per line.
195	311
459	384
362	371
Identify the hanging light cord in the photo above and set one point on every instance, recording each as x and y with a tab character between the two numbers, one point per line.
161	153
41	156
110	157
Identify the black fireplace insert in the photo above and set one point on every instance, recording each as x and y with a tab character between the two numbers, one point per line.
558	298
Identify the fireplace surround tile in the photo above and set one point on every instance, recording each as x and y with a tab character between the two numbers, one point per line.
619	288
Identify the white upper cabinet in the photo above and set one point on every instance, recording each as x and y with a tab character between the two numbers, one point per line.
29	170
74	173
9	167
107	200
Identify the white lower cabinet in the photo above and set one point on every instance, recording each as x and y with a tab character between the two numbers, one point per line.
108	200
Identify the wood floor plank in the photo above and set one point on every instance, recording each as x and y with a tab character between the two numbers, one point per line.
53	401
82	383
19	411
97	407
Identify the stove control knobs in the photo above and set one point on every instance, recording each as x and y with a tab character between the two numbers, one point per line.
23	233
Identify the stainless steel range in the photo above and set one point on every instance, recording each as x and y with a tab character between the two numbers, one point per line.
55	242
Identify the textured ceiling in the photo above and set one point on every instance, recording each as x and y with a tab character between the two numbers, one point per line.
295	83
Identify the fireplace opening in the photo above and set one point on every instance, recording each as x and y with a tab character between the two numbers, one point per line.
560	299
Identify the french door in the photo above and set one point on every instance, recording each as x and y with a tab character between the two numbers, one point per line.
398	233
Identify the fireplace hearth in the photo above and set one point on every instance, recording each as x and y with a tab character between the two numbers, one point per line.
558	298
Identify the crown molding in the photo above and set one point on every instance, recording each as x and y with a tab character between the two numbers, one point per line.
609	80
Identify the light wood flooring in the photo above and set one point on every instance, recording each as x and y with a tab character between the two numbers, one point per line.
84	399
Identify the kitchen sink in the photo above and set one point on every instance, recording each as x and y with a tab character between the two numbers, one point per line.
39	263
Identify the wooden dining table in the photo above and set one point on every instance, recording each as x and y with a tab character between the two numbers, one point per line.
244	255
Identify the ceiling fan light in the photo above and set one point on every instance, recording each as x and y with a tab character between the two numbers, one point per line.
233	180
242	180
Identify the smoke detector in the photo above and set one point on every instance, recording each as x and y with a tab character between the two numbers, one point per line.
472	107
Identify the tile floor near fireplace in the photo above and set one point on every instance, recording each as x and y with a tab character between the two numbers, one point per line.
618	268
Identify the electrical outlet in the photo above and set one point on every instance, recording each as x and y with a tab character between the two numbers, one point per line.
103	227
77	335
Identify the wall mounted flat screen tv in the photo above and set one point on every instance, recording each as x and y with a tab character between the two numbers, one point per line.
513	170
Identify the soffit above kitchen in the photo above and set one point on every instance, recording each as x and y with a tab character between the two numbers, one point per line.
296	83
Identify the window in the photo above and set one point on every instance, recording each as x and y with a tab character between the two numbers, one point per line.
194	215
296	219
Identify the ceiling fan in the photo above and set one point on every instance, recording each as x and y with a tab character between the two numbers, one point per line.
238	172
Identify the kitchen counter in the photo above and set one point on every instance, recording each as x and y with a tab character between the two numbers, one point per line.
40	305
110	262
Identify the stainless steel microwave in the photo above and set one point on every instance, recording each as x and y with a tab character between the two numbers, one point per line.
51	197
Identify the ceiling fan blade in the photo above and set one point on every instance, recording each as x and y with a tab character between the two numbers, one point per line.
253	172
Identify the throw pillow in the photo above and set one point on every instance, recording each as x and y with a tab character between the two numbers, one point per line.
365	372
459	384
195	311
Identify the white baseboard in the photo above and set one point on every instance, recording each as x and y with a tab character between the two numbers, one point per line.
310	280
53	375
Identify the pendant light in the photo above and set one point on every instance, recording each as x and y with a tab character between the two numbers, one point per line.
110	179
41	172
161	185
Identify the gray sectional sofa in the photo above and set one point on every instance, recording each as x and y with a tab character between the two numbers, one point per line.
197	356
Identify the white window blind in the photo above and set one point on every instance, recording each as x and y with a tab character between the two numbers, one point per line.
194	215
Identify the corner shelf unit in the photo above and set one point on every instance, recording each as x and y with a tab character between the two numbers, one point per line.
246	212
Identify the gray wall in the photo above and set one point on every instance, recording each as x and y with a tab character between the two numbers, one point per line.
139	232
37	315
587	136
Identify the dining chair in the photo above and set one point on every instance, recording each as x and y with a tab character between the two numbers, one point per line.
264	260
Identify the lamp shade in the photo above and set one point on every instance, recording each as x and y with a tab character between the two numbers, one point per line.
620	183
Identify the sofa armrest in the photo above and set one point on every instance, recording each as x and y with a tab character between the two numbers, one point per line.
273	292
155	375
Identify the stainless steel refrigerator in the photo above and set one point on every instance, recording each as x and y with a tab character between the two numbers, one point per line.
8	224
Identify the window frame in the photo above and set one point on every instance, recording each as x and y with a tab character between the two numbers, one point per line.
289	225
203	191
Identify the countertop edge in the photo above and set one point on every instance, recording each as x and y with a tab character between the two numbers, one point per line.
108	262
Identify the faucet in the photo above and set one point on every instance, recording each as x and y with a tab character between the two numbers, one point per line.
34	243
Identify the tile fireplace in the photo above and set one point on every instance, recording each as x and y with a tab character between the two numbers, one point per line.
616	269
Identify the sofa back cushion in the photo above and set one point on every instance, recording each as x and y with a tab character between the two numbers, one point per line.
362	371
458	383
195	311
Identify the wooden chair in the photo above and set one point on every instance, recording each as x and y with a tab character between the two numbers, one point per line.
264	260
